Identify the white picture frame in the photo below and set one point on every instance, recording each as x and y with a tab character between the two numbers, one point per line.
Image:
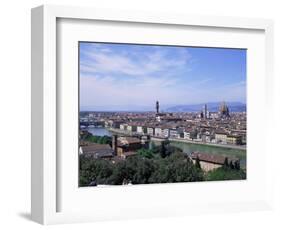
46	182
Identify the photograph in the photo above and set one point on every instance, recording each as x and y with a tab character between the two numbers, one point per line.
157	113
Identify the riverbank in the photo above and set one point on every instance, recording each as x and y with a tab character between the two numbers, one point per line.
119	131
209	144
189	146
239	147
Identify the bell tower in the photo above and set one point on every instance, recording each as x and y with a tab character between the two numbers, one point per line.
157	107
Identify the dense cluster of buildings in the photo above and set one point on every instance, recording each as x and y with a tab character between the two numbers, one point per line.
135	129
122	147
221	127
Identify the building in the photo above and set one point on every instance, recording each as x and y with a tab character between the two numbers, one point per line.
131	127
123	126
234	139
141	128
221	137
121	145
158	131
198	137
210	162
242	133
224	111
159	116
205	113
187	134
165	132
108	123
213	115
206	138
170	118
176	133
162	131
157	107
150	130
206	135
97	151
116	124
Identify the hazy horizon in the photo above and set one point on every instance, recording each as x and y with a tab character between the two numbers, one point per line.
150	108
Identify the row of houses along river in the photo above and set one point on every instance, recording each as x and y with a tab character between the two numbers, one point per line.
187	147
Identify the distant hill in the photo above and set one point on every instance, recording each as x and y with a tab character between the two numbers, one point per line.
212	107
118	108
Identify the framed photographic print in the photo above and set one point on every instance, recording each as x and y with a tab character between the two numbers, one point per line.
138	114
127	138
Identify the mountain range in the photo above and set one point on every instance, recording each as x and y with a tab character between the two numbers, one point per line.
211	106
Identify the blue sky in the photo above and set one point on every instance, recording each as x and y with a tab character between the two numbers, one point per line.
127	77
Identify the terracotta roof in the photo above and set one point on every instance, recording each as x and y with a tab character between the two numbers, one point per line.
212	158
189	130
97	150
128	140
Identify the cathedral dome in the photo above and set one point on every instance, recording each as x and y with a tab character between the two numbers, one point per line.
224	109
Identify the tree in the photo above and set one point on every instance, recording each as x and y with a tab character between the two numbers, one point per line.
98	139
145	153
97	170
164	149
143	171
175	168
139	169
154	148
119	174
231	165
225	164
104	171
197	163
237	165
225	174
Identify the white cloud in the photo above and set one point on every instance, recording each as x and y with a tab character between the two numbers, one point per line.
107	91
108	78
103	60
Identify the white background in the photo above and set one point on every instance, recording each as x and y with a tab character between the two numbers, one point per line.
73	199
15	113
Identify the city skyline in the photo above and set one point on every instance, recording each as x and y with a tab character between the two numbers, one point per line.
124	77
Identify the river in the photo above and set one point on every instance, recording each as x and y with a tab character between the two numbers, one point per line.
99	131
189	147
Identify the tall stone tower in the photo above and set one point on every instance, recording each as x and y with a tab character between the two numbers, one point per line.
157	107
114	143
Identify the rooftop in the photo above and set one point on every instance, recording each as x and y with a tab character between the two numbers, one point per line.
128	140
97	150
211	158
